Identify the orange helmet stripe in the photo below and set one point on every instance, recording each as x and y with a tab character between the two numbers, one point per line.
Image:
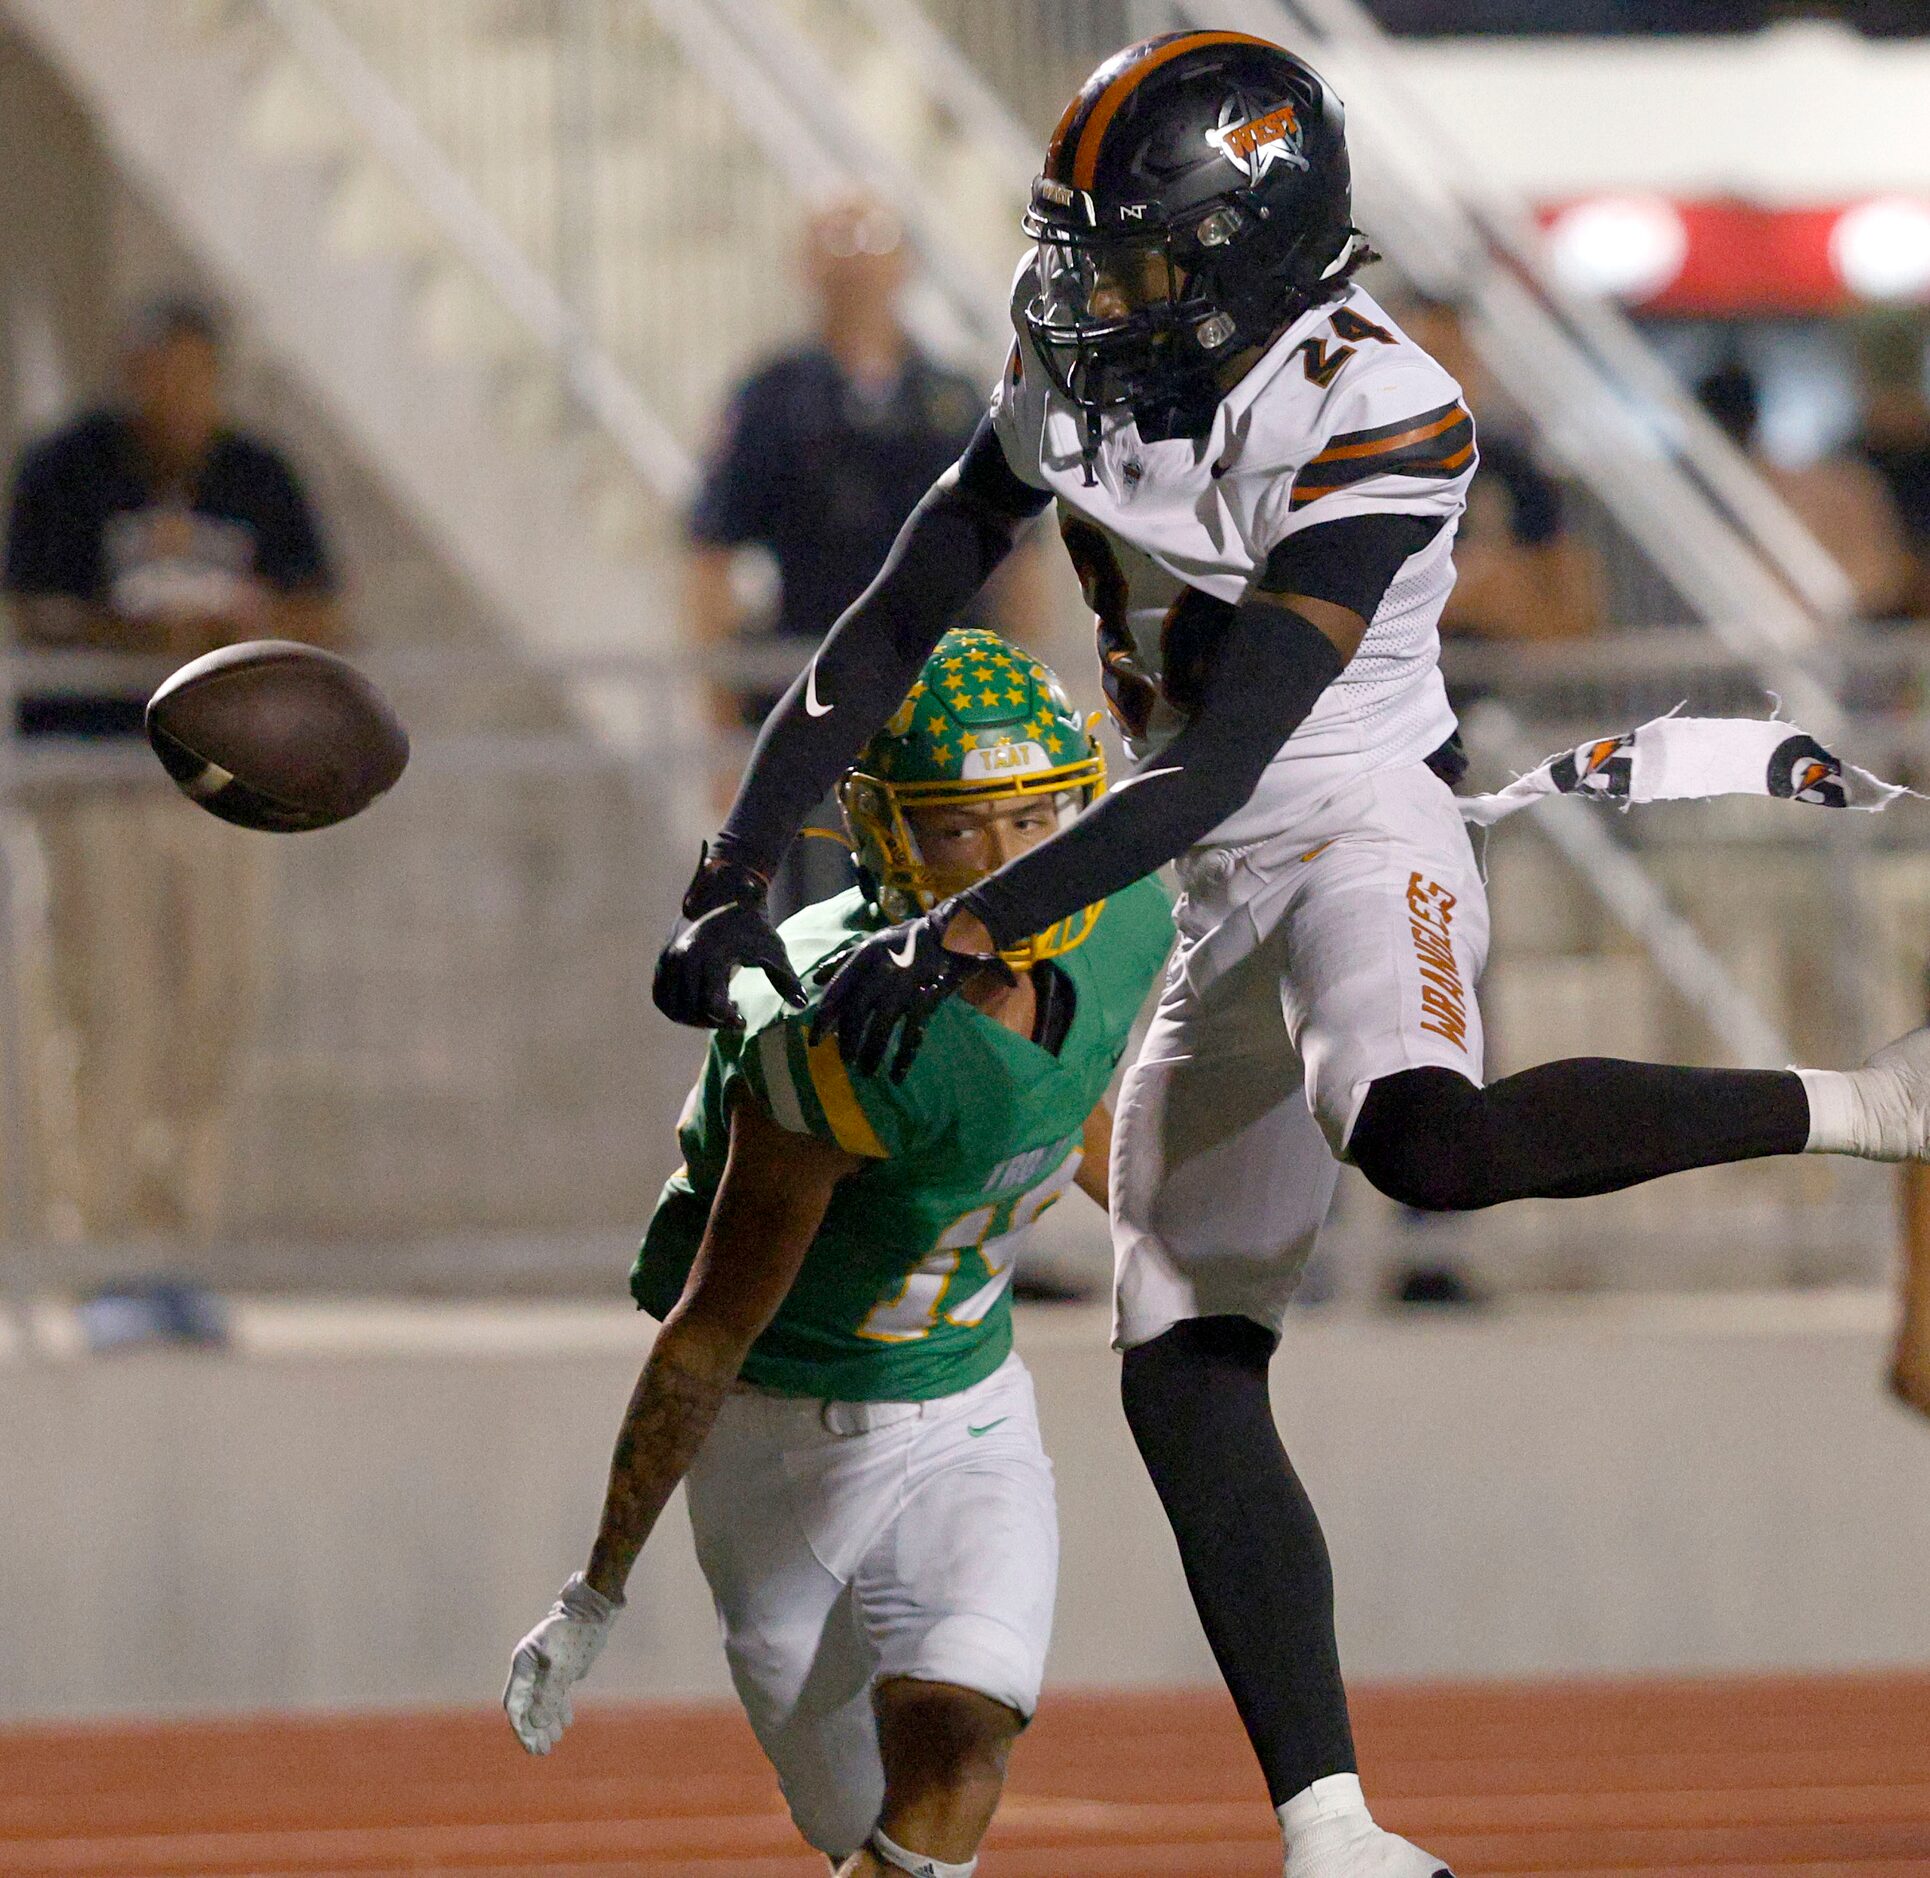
1085	160
1072	119
1060	131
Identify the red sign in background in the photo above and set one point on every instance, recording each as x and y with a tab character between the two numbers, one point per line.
1733	258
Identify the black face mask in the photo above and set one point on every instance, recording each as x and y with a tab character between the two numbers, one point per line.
1147	357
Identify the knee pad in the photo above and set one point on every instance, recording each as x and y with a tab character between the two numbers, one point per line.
971	1651
1421	1138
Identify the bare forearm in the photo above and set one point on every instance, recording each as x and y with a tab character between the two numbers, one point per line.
671	1412
1093	1177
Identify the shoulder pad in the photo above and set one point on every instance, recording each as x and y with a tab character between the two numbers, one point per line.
806	1089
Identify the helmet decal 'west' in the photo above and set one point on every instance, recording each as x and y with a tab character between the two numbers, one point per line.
1253	145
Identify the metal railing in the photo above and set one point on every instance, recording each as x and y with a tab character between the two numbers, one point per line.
531	293
625	177
455	1066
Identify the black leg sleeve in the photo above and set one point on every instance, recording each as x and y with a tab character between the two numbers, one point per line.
1430	1138
1256	1560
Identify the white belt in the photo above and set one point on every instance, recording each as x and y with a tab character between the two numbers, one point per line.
860	1418
843	1418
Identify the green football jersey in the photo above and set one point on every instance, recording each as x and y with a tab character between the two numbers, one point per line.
904	1293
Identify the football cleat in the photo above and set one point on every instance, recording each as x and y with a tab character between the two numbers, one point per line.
1387	1856
1893	1099
1374	1853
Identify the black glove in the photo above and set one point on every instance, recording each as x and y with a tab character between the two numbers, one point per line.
897	977
724	926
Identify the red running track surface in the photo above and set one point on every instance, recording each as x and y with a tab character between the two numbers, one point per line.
1827	1777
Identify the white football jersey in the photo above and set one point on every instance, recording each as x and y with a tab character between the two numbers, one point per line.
1343	415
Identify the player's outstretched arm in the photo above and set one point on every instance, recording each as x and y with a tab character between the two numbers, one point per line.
1279	653
959	533
769	1206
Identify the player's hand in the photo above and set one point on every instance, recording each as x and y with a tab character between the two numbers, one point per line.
723	928
895	980
552	1659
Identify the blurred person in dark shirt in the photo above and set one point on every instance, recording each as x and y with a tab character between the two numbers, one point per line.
1521	571
1839	498
154	529
1894	436
151	526
825	449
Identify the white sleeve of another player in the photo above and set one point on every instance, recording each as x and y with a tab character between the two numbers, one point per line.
1394	438
1019	398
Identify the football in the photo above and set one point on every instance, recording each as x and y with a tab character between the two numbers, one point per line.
275	735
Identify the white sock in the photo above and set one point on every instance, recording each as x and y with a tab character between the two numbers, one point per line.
916	1862
1834	1112
1323	1821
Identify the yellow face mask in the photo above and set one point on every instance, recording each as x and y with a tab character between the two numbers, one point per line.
984	723
877	813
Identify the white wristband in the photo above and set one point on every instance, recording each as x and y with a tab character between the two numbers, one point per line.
581	1599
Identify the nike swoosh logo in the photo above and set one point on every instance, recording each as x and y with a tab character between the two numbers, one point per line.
987	1428
811	703
902	956
1145	775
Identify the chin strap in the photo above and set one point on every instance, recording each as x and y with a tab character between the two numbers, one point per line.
916	1862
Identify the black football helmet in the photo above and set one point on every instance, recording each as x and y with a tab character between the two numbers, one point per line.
1196	198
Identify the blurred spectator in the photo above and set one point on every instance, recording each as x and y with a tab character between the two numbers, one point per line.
153	530
1521	571
152	527
1895	436
825	450
1840	499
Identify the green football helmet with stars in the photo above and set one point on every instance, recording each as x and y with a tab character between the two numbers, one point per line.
984	721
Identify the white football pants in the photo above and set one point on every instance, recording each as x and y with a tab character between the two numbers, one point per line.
850	1542
1309	964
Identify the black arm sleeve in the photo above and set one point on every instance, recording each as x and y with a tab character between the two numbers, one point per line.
962	529
1265	676
1351	562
